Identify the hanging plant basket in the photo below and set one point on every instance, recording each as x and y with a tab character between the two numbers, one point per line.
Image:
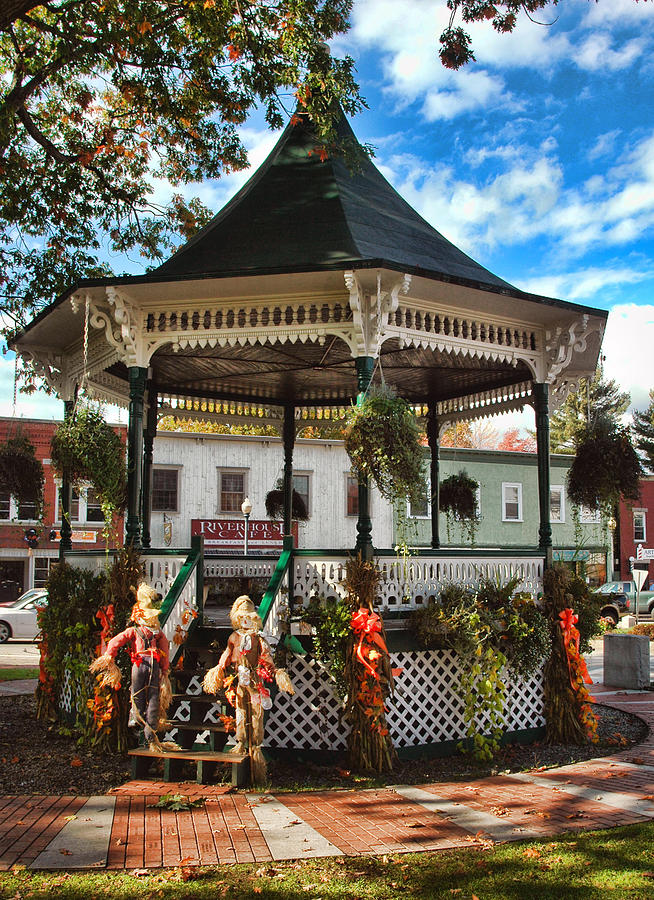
275	506
89	451
458	500
605	468
21	473
382	439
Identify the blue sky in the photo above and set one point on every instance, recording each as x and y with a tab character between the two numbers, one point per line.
537	160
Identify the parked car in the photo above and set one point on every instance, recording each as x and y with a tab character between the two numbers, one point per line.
620	600
19	619
33	592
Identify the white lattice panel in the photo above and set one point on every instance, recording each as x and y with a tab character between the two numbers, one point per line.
426	708
409	584
310	719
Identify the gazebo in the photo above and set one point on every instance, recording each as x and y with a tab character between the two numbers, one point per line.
312	277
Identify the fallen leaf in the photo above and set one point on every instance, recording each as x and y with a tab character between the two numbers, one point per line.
414	825
638	761
69	818
138	873
65	852
76	762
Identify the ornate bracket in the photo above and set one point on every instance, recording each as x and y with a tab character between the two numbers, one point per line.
562	343
51	368
121	320
371	311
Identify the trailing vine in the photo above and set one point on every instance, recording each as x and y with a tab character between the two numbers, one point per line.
382	439
331	619
492	630
89	451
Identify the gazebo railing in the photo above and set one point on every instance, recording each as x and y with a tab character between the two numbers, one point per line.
407	583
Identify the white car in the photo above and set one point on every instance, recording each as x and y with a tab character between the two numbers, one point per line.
19	619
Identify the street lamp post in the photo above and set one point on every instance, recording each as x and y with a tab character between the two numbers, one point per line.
246	509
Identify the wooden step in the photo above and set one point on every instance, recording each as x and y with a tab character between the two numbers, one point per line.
190	730
206	762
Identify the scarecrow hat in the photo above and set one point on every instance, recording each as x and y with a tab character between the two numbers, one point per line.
244	615
143	612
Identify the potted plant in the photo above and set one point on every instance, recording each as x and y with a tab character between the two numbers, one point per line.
89	451
605	468
275	505
458	500
21	473
382	439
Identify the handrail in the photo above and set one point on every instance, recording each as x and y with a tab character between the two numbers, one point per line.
282	567
182	606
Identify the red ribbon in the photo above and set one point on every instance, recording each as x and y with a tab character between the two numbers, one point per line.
368	625
571	639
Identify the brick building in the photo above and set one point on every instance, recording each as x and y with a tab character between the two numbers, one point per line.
636	531
21	566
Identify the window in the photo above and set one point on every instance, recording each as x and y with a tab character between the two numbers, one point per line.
589	516
352	493
5	506
74	511
512	503
27	511
301	486
639	525
93	508
421	508
557	503
232	491
42	569
164	490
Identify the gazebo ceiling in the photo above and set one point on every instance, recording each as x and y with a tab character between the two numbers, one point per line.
309	266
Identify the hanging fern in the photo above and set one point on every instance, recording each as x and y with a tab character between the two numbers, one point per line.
382	439
89	451
458	500
275	506
605	468
21	473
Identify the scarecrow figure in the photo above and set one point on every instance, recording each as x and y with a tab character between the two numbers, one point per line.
148	649
251	667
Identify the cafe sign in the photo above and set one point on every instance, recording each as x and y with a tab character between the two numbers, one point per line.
228	535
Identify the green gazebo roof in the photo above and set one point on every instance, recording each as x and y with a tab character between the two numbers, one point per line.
300	213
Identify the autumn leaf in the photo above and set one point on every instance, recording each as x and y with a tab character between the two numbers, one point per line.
76	762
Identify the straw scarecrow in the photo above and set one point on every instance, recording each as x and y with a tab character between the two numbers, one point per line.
148	649
243	671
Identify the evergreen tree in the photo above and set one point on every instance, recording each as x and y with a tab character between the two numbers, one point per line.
594	400
643	429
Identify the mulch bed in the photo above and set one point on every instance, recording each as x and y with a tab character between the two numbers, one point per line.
38	759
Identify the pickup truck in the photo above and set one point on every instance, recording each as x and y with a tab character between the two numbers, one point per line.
620	600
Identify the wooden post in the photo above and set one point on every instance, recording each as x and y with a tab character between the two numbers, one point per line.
137	379
148	454
541	408
364	367
65	539
433	428
289	443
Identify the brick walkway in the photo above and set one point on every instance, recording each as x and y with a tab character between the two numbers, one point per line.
129	832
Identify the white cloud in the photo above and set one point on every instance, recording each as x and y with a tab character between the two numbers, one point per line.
627	349
596	53
590	284
604	144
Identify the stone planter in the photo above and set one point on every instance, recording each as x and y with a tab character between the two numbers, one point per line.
626	661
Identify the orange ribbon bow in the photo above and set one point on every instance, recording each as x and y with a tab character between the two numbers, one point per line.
568	622
368	625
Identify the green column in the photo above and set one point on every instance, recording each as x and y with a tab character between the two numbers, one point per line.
364	366
148	452
541	408
289	443
137	381
65	540
433	429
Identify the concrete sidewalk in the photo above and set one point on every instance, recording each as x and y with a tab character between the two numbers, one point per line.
126	830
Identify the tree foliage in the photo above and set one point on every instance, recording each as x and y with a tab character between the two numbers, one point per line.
643	429
455	42
593	400
100	101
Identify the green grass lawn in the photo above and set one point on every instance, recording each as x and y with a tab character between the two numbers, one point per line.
18	673
588	866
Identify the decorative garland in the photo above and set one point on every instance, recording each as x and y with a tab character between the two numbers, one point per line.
367	674
568	705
